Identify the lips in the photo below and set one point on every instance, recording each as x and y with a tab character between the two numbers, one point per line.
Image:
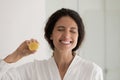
65	42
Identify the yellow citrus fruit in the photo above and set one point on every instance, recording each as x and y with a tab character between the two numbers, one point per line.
33	46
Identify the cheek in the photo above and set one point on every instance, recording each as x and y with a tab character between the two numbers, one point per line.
76	39
55	36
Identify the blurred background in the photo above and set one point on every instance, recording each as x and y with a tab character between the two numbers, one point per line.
25	19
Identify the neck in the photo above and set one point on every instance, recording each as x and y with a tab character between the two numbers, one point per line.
63	58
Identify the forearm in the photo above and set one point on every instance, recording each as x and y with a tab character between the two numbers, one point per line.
21	51
12	58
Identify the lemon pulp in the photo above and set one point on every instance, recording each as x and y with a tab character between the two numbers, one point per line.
33	46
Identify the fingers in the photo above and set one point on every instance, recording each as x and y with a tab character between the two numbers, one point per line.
31	40
34	40
27	52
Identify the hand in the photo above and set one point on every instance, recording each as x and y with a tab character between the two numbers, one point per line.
23	49
20	52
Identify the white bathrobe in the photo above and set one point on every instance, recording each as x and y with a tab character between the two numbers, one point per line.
79	69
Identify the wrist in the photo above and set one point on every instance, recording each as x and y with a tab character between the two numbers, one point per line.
12	58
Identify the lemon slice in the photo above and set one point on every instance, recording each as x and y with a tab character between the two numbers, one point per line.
33	46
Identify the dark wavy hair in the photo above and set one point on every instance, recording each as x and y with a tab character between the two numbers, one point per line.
55	17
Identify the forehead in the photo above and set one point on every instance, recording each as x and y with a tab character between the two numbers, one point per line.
66	21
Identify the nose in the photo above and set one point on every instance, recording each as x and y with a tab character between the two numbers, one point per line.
66	34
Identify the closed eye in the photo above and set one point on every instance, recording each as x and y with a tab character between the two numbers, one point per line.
73	31
61	28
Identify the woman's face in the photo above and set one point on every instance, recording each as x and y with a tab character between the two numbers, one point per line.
65	34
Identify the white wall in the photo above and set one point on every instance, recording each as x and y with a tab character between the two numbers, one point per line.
53	5
113	39
21	20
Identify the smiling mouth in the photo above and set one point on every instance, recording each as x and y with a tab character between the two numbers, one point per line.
65	42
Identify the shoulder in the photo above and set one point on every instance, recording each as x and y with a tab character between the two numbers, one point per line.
33	64
88	65
45	61
90	69
42	63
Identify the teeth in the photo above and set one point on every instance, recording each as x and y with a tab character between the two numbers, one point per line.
65	42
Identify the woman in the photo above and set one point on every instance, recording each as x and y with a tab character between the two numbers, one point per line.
64	32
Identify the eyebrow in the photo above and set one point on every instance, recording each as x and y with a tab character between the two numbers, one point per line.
64	27
74	28
60	27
